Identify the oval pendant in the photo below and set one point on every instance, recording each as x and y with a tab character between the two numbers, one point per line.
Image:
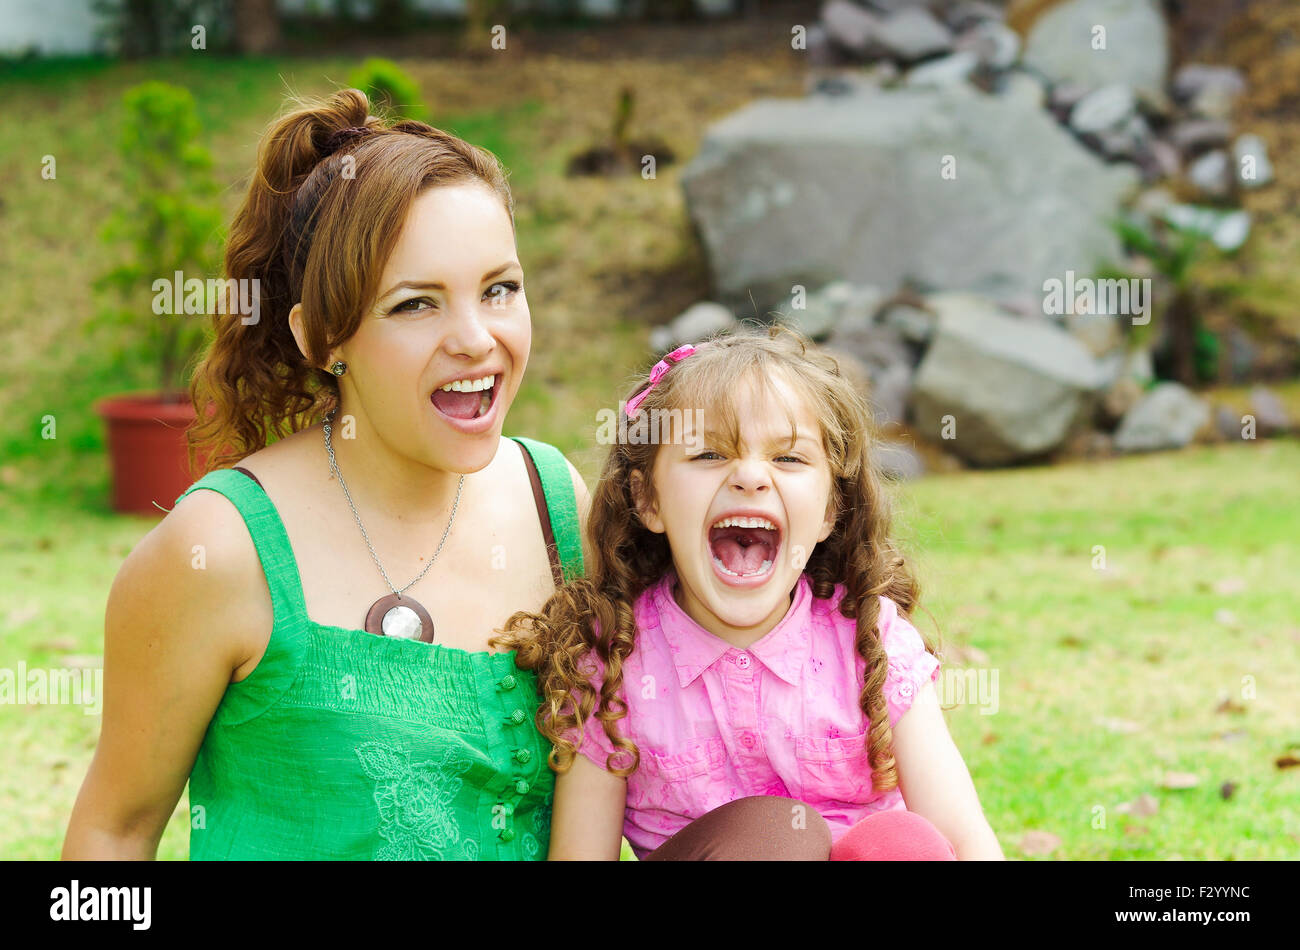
403	618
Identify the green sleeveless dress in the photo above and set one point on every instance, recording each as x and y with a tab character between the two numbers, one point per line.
346	745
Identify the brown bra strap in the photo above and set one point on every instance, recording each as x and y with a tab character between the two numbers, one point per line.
544	516
250	475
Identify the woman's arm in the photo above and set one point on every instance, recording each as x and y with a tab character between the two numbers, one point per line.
587	818
935	782
171	644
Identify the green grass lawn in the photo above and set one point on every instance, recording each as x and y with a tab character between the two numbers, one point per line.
1108	681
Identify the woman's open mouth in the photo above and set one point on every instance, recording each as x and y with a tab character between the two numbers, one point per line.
744	548
466	403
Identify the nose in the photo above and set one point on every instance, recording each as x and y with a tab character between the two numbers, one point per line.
468	335
750	477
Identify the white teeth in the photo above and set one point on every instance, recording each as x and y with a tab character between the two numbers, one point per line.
470	385
745	523
762	569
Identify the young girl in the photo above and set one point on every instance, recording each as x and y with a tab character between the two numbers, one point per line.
737	676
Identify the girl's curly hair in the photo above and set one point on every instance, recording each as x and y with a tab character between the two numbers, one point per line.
593	617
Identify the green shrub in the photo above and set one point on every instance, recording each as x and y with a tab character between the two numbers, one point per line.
169	222
390	89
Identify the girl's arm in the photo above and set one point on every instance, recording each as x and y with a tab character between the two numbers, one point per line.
170	648
935	782
587	817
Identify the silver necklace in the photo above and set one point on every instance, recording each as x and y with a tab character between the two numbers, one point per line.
393	615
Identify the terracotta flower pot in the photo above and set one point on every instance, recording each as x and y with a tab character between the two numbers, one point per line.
147	451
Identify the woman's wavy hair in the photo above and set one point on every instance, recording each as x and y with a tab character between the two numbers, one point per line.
593	617
327	200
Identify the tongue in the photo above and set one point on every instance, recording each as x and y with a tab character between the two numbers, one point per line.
457	405
742	550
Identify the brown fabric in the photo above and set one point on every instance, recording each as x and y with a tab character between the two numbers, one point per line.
250	475
544	516
758	828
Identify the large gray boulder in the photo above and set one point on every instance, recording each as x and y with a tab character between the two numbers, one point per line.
1062	44
997	389
946	189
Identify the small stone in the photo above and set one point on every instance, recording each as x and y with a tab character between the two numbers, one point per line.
1124	141
836	303
1270	415
1194	218
1166	160
1166	417
700	321
1252	167
1022	87
996	44
1195	135
1210	174
1232	231
849	26
661	339
968	13
1153	201
1208	90
1065	95
1227	423
946	71
912	323
1105	108
913	33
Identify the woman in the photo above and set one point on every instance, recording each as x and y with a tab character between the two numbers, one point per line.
257	641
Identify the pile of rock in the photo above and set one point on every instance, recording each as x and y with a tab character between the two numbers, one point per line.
996	388
915	211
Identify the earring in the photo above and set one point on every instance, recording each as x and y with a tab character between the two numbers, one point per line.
339	368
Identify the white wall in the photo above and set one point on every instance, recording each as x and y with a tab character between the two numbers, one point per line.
64	27
53	27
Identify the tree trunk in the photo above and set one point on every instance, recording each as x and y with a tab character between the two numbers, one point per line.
257	26
1182	338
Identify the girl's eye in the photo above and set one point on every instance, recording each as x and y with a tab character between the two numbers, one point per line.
789	458
707	455
406	305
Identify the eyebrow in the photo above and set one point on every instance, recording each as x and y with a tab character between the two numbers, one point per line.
775	442
438	285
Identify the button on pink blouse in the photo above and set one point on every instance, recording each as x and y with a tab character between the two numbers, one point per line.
715	723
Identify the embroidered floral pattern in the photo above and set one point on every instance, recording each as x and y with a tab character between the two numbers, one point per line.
416	817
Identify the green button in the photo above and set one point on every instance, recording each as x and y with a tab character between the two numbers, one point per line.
522	786
523	755
508	681
518	716
508	834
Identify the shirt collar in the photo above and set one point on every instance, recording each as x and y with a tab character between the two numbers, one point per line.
784	649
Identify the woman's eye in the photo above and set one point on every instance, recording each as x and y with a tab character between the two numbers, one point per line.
511	285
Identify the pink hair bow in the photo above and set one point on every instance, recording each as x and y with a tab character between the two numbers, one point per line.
659	372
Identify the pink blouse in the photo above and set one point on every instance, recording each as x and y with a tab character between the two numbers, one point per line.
715	723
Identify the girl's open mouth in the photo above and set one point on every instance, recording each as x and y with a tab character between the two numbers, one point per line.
744	547
465	400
